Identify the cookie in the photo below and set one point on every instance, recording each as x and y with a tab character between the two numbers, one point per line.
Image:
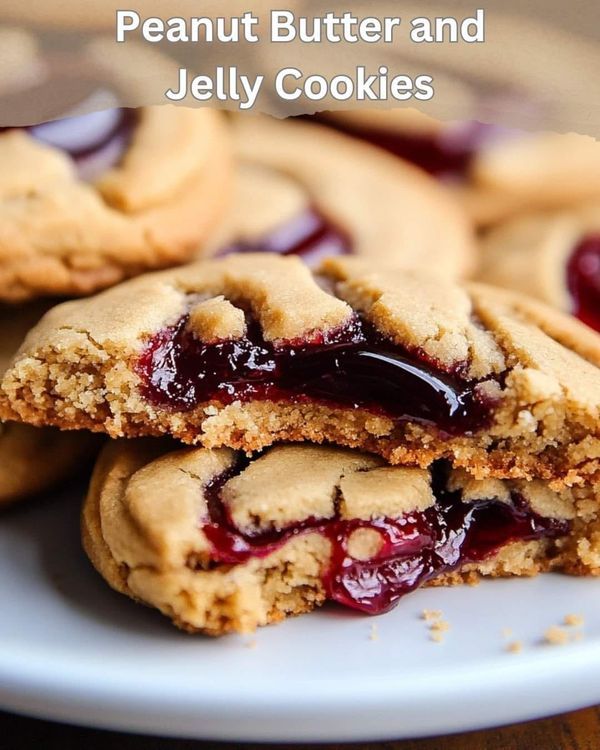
62	235
494	172
310	191
529	172
91	199
254	348
552	256
33	459
219	542
444	149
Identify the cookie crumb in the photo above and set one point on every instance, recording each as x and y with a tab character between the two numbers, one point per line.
431	614
439	626
556	636
374	634
573	620
514	647
506	632
436	637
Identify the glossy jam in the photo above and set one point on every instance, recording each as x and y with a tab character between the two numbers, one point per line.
448	154
351	367
583	280
309	234
415	548
95	141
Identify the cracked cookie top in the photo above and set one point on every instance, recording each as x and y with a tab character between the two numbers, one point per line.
254	348
304	189
185	529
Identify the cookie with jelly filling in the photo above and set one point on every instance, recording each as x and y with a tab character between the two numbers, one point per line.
494	172
255	348
552	256
309	191
221	542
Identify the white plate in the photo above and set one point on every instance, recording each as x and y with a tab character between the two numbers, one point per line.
72	650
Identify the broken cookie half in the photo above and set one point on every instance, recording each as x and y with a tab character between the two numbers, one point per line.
34	459
254	349
220	542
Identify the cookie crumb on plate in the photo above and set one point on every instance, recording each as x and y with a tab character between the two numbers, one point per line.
556	636
431	614
514	647
439	626
573	620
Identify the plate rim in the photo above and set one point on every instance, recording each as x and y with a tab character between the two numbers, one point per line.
301	714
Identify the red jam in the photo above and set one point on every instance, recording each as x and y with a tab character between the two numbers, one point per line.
309	234
352	367
95	141
583	281
448	154
415	548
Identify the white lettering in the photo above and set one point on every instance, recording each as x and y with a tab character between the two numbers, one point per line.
127	20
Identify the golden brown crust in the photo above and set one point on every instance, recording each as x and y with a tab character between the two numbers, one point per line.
537	368
142	527
62	236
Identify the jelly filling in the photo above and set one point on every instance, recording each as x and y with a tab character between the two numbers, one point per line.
415	548
95	141
353	367
448	154
308	234
583	280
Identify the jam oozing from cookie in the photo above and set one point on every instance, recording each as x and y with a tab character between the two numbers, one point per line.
95	141
309	234
350	367
583	280
415	548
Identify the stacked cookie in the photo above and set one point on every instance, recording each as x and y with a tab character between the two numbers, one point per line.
282	433
473	414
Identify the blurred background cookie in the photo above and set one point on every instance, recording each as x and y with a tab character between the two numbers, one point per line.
305	189
552	256
495	172
104	192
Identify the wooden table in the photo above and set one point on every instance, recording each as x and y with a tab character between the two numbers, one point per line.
579	730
